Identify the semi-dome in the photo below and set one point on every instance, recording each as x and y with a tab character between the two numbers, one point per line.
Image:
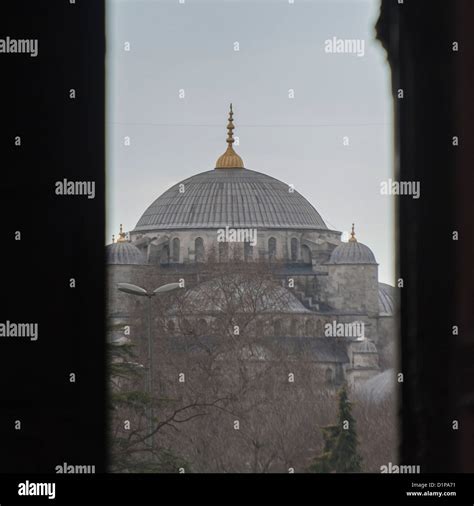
123	252
379	387
247	295
352	252
387	300
232	196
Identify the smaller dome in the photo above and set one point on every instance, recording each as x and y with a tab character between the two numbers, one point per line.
123	252
352	252
364	346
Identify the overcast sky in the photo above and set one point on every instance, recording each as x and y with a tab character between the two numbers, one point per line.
190	47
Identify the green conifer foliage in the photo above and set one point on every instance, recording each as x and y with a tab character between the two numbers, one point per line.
340	453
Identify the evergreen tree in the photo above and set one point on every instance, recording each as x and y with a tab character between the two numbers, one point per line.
340	443
127	399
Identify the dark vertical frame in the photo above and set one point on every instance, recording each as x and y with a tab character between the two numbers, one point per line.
62	237
436	270
464	184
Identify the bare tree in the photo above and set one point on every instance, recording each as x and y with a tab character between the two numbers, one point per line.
229	395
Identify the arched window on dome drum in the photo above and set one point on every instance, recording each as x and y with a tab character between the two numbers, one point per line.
248	251
308	328
175	250
199	249
186	327
294	249
165	255
293	327
306	254
223	251
202	327
272	246
277	328
329	375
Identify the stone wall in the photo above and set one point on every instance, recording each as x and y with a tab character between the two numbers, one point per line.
352	288
387	331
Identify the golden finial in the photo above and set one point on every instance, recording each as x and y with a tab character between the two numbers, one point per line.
352	237
121	237
230	159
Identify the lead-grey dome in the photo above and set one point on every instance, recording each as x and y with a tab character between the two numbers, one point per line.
123	253
379	387
237	198
387	300
352	252
248	296
365	346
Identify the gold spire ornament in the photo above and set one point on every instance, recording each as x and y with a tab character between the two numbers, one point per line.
230	159
121	237
352	237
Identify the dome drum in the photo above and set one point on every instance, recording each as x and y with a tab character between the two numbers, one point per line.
289	246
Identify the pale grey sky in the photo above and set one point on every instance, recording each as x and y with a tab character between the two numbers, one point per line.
190	46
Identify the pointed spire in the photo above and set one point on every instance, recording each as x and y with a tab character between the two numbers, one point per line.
230	159
352	237
230	128
121	237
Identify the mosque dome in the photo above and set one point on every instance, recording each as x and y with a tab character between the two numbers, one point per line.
352	252
387	300
123	252
232	196
365	346
238	198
